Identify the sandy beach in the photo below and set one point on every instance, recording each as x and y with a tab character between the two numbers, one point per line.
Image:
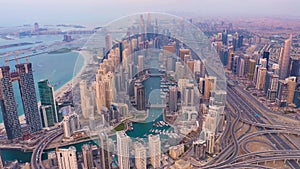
88	59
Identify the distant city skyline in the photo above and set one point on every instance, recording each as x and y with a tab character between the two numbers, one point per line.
99	12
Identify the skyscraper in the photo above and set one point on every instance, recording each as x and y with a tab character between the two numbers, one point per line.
140	63
179	70
154	150
286	91
27	90
271	85
224	56
9	105
84	99
241	67
209	85
211	142
199	148
251	69
235	64
284	60
70	124
275	68
224	37
295	71
104	149
48	109
297	96
266	55
140	97
263	62
230	58
183	52
188	95
67	158
291	89
140	155
257	67
100	90
170	63
261	78
108	42
87	156
168	51
282	93
173	98
47	116
123	149
24	76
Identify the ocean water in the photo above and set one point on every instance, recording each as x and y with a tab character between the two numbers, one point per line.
57	68
45	39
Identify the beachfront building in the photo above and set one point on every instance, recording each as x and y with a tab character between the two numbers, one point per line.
48	107
24	76
86	100
27	89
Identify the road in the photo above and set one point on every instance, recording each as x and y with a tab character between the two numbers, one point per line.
253	110
36	158
242	107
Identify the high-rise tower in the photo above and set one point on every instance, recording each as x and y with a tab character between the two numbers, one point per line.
24	76
104	150
284	60
173	98
87	154
28	94
48	109
140	155
123	149
155	150
9	105
67	158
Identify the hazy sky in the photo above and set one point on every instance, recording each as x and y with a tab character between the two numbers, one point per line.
97	12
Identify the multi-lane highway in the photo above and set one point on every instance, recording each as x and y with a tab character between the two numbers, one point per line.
243	108
36	158
253	110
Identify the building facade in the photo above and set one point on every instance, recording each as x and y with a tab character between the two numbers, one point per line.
67	158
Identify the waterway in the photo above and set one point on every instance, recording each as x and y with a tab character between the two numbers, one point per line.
59	69
23	157
152	91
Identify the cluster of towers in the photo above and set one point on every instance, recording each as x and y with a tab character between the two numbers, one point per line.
140	151
24	76
278	81
43	115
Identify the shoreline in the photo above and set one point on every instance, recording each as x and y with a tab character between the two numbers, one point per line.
88	58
